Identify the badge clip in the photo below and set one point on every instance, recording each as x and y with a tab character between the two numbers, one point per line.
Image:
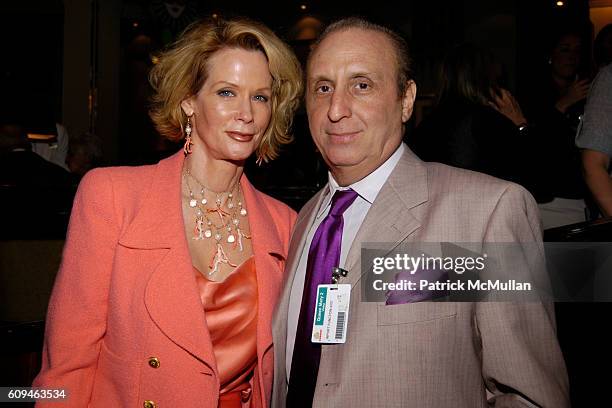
337	273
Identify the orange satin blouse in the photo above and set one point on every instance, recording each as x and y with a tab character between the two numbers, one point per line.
231	314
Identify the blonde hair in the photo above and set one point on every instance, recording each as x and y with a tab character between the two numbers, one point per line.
183	69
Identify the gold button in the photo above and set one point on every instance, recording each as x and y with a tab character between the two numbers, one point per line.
149	404
154	362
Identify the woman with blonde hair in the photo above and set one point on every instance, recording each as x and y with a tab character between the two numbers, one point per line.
170	272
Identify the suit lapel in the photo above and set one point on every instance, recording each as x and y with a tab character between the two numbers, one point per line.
269	261
391	217
171	295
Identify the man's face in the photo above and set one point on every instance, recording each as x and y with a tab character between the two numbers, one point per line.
354	109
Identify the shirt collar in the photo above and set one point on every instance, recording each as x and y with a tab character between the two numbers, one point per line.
369	186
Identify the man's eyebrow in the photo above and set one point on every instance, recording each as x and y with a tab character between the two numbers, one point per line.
318	78
356	74
364	74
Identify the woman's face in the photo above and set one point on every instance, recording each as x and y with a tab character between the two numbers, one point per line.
565	57
232	110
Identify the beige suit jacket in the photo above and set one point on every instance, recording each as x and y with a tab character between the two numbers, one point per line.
434	355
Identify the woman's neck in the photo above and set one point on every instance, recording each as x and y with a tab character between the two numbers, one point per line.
218	176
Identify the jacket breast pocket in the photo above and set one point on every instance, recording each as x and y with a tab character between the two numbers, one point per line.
415	312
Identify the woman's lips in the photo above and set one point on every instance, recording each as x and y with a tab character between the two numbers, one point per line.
240	136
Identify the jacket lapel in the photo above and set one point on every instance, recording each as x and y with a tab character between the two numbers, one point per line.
391	218
270	258
171	295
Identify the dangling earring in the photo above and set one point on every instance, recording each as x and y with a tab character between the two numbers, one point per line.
188	142
259	161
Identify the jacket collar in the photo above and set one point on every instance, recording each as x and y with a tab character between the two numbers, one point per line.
159	220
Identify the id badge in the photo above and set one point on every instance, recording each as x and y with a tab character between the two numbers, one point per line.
331	314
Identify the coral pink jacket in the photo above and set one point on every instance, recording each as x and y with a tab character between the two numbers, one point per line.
125	322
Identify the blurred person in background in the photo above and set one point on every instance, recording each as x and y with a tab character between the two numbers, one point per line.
19	166
554	110
476	124
36	195
595	138
56	150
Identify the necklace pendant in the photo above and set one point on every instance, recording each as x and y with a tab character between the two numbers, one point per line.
231	238
240	236
208	233
204	201
219	258
199	229
243	212
193	202
239	239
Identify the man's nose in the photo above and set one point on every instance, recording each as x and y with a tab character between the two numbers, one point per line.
339	106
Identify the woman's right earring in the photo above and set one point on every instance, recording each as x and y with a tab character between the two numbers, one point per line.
188	142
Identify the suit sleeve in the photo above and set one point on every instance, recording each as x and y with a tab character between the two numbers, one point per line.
522	362
76	317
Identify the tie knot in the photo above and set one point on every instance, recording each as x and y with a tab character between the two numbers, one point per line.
342	200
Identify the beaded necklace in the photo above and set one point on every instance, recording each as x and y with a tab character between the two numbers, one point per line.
225	229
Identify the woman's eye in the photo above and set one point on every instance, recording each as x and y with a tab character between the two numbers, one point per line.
262	98
362	86
225	92
323	89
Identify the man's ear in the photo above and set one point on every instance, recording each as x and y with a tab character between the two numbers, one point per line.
408	100
187	106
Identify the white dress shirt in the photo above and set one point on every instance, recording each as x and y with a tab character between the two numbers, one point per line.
367	190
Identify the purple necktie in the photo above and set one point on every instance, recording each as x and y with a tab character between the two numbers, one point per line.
324	254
